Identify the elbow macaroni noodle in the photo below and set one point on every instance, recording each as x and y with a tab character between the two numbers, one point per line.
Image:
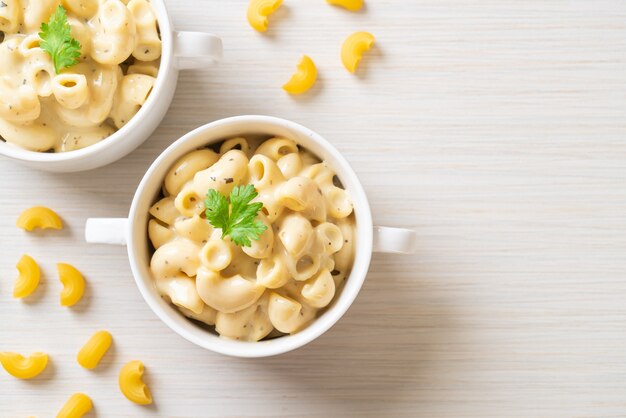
353	48
352	5
73	284
284	280
131	384
39	217
28	280
304	78
120	53
24	367
92	352
259	10
76	406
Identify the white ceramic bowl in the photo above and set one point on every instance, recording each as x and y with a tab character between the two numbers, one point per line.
133	232
181	50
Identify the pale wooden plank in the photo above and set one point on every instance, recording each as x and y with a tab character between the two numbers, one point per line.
494	128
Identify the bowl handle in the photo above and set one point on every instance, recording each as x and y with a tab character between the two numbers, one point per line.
194	50
106	231
394	240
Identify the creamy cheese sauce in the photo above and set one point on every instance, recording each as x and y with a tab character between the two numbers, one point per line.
280	283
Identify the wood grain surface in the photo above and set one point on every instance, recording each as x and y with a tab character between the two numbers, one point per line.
495	128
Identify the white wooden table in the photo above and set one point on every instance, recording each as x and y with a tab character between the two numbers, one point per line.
495	128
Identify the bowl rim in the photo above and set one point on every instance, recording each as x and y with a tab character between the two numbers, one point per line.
280	345
166	68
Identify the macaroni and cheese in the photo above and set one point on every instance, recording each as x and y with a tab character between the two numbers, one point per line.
284	279
42	110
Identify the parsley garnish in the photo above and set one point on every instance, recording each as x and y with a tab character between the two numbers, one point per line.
57	41
237	218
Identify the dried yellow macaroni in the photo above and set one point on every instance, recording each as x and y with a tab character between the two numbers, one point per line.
259	10
131	384
39	217
28	279
354	47
76	406
73	284
304	78
92	352
352	5
24	367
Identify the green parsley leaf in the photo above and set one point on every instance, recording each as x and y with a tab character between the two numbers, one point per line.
217	211
57	41
236	218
